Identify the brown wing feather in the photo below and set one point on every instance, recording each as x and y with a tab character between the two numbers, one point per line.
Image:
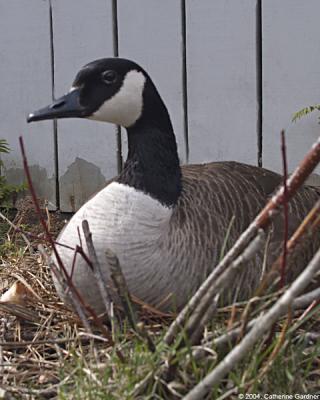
213	195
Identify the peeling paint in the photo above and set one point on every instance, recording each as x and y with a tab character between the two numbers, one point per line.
81	180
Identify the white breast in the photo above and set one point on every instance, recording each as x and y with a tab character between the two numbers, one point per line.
128	222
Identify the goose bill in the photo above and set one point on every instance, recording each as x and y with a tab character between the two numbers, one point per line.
67	106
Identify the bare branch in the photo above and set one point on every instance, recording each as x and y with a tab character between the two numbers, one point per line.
66	281
262	221
120	284
262	325
285	209
309	226
106	297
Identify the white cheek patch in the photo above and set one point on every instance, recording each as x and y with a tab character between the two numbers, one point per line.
72	89
125	107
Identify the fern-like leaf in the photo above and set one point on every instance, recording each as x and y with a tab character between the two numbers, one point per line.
305	111
4	147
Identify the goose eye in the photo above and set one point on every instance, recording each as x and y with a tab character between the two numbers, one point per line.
109	77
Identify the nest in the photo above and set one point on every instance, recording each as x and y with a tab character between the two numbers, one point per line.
38	333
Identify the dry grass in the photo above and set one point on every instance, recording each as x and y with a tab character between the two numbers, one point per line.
41	338
45	352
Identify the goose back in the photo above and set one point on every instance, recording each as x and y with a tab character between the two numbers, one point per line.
218	202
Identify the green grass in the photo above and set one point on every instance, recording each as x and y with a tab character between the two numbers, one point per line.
291	371
90	369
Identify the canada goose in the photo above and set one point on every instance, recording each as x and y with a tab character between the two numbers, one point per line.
166	223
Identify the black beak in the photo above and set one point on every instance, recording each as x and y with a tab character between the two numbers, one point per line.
67	106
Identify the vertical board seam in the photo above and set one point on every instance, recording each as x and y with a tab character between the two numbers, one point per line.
259	68
115	41
55	123
184	78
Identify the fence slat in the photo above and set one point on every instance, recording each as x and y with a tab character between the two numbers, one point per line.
87	149
25	86
291	59
222	87
150	34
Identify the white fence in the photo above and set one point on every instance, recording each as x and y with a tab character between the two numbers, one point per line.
231	72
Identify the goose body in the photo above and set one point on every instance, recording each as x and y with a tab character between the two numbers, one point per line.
167	224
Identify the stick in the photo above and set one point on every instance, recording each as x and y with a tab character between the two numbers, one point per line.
66	278
309	226
232	335
120	284
285	209
106	297
77	296
262	221
262	324
199	317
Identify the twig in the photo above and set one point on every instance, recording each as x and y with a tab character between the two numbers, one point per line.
262	324
303	301
278	346
262	221
19	311
59	277
77	297
120	284
204	311
245	317
285	209
106	297
16	228
308	226
232	335
286	223
196	330
141	386
65	278
3	328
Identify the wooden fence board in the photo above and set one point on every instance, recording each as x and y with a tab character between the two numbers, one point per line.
291	73
87	149
222	90
222	81
152	38
25	71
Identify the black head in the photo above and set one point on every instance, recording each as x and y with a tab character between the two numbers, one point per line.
119	91
109	89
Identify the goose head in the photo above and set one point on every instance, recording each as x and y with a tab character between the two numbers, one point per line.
111	90
119	91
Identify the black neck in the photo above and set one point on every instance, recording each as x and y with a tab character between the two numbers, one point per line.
152	165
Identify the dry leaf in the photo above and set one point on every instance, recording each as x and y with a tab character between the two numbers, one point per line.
17	294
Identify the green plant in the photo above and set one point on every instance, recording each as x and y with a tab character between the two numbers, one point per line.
4	148
8	192
305	111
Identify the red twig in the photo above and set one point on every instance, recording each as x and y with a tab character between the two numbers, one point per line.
50	240
294	182
285	208
202	298
79	250
38	210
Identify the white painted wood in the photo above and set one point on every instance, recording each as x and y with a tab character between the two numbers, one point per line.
221	64
150	34
291	75
25	86
87	149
